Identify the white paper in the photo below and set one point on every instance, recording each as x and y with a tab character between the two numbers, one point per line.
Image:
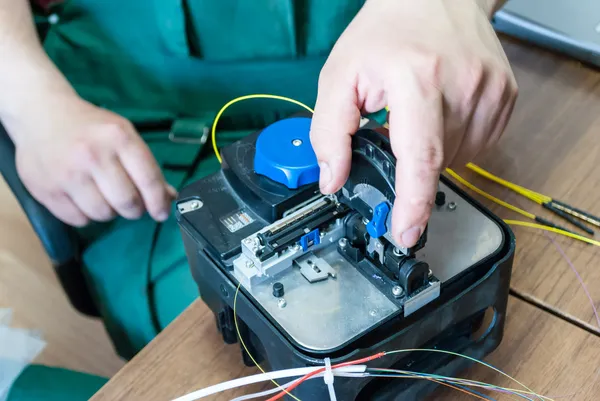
18	348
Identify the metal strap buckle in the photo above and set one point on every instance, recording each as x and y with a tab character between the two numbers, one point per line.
190	140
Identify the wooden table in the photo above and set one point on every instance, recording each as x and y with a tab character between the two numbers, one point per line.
552	340
552	146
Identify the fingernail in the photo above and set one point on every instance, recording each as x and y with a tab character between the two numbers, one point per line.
325	176
411	236
162	216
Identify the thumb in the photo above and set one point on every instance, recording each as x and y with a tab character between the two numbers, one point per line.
335	120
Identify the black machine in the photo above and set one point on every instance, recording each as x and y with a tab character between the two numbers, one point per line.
320	276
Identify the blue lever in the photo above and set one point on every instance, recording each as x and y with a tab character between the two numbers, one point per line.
376	227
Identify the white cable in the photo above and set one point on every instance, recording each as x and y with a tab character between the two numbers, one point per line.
328	378
244	381
288	384
269	392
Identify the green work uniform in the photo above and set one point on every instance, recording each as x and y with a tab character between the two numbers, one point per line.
156	61
168	66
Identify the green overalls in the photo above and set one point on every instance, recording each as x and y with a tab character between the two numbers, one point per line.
168	66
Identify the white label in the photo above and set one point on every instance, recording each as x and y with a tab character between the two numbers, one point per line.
236	221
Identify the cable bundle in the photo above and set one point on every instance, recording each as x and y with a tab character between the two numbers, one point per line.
357	369
567	212
545	225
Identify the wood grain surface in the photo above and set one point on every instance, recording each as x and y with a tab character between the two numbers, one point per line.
29	287
547	354
188	355
552	145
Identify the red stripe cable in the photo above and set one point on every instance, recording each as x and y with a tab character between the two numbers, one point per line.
316	372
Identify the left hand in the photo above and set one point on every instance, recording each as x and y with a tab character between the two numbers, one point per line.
440	68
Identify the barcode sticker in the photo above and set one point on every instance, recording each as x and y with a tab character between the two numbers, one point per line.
236	221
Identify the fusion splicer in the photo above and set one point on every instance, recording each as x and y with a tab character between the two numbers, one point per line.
320	276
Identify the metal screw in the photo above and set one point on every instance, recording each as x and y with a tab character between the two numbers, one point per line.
451	206
397	291
365	221
281	303
296	247
249	264
297	142
373	312
322	235
248	241
343	242
194	205
397	252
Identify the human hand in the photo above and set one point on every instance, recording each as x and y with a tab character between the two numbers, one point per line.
440	68
87	164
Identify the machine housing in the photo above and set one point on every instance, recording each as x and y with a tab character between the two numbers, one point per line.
319	276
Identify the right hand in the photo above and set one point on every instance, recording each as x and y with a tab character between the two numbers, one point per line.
440	68
86	164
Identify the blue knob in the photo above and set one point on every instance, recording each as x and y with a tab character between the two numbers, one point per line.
285	155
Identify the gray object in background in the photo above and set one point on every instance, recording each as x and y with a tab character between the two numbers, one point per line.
571	27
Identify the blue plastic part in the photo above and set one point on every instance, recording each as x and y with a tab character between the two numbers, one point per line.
376	227
285	155
310	239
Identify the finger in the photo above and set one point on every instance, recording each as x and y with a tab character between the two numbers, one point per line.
336	119
172	191
504	116
61	206
118	188
488	110
56	201
468	86
141	166
417	138
88	198
454	134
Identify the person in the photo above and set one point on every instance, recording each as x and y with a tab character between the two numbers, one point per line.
104	109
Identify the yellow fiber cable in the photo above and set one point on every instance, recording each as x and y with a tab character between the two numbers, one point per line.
488	196
517	188
534	196
520	211
468	382
239	99
552	229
